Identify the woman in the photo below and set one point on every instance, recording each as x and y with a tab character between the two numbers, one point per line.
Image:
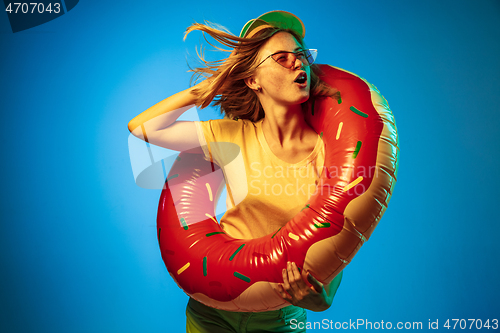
264	88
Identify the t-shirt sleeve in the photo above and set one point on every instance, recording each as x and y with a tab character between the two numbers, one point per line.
216	138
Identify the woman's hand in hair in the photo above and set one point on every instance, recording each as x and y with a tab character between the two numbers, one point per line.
203	85
200	89
303	290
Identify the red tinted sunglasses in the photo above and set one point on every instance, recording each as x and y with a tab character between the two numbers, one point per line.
287	59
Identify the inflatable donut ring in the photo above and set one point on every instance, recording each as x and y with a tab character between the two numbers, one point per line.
356	184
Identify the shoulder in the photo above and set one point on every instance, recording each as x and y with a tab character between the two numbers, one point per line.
228	123
226	128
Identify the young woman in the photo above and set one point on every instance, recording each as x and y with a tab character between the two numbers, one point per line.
263	87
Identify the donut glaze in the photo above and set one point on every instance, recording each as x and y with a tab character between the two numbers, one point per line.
356	184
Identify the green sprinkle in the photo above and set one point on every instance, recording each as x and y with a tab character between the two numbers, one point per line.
184	224
322	225
321	135
340	99
178	158
204	266
276	232
242	277
235	252
306	206
359	113
356	151
214	233
172	177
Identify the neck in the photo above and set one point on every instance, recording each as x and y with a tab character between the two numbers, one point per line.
283	124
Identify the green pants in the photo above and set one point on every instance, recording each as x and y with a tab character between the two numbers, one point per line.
204	319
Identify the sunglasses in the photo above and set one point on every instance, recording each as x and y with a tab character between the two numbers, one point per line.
287	59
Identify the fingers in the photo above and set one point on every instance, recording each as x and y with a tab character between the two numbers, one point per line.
317	286
283	294
300	288
297	275
286	284
294	282
288	290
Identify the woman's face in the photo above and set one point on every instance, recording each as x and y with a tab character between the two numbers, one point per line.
279	84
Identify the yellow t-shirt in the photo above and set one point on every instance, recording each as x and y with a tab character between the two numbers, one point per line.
264	192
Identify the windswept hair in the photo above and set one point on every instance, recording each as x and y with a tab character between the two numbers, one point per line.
227	87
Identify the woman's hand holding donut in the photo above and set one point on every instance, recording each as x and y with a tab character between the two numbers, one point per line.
302	289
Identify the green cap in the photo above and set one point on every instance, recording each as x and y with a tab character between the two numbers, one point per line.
277	18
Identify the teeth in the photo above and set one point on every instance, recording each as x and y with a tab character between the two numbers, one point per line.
301	78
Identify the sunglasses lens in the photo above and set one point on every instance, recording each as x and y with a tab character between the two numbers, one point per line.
287	59
310	56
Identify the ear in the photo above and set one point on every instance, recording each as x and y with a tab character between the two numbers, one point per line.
252	83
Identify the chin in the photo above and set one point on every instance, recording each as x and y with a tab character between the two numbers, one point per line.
304	98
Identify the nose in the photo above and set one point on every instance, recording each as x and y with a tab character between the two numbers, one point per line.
298	64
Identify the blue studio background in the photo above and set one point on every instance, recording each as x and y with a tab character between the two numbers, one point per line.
78	245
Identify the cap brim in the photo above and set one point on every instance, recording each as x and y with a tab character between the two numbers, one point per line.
277	18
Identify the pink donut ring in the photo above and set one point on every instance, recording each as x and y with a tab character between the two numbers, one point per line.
356	184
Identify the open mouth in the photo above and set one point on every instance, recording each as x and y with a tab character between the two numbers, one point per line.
301	78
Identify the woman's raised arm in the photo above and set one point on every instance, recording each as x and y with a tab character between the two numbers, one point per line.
158	124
